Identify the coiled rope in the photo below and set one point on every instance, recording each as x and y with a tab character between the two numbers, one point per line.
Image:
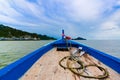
76	70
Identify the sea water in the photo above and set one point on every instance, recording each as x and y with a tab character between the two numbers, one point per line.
11	51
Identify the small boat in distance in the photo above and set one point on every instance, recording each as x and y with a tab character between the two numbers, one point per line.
63	59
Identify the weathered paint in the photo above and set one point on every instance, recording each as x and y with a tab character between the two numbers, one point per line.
107	59
15	70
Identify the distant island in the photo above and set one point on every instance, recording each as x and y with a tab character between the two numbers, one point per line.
79	38
8	33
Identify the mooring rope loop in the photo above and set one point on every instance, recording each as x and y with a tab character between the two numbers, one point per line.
82	68
69	58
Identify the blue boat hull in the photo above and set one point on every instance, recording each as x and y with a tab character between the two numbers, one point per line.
17	69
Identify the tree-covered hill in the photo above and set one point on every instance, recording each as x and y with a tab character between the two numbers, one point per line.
79	38
11	33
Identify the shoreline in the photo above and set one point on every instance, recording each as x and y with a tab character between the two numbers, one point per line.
20	40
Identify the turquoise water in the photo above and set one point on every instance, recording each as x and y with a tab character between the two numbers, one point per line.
11	51
111	47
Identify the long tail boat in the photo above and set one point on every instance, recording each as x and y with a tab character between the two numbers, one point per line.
63	60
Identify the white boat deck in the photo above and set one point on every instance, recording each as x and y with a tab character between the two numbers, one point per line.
48	68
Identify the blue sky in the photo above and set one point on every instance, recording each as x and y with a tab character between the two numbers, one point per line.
91	19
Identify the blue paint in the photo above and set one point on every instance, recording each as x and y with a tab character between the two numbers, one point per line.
15	70
107	59
62	34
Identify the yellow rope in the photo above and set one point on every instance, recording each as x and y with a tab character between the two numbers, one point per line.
82	68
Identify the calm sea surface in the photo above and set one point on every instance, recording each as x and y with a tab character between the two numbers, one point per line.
11	51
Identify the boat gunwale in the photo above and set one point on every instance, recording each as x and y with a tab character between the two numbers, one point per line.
14	70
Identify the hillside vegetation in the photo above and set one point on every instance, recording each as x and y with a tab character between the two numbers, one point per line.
7	32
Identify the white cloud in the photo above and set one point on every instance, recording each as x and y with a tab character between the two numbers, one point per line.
8	19
6	10
76	16
118	3
110	28
111	34
86	10
77	10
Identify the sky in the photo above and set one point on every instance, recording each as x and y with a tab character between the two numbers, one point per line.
90	19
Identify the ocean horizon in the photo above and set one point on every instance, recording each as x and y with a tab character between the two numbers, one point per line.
11	51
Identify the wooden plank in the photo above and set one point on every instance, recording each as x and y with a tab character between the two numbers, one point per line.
47	68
